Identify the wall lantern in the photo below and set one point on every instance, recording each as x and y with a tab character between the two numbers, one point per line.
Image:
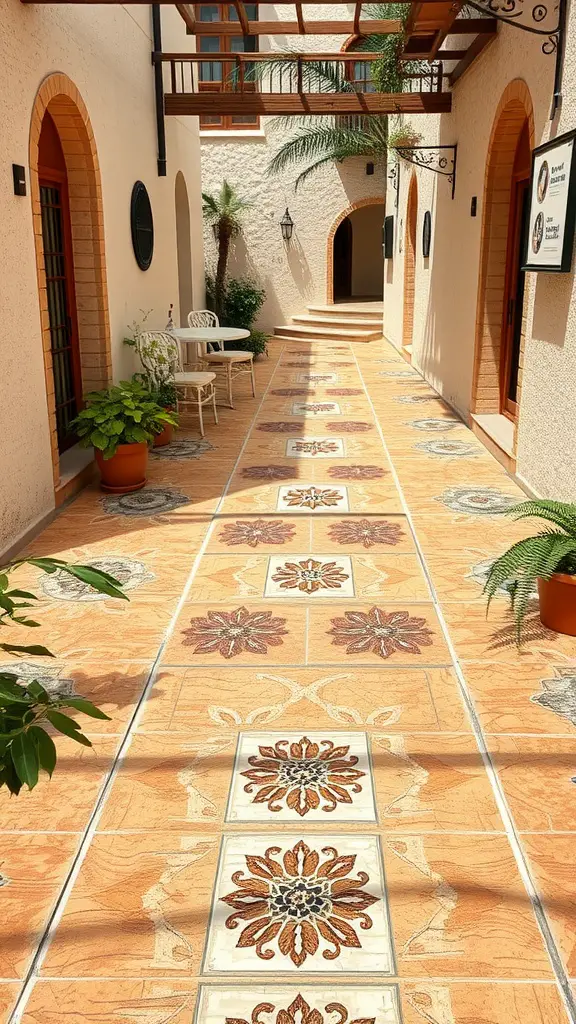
287	226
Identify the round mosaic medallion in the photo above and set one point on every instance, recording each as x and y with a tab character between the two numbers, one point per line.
184	449
435	424
64	587
416	399
449	449
47	676
478	501
150	501
479	573
398	373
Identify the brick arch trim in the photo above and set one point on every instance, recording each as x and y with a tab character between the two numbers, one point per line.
514	110
372	201
60	97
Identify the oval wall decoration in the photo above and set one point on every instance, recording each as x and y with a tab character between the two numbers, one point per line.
141	225
426	234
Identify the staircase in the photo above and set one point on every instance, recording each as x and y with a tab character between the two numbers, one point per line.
346	321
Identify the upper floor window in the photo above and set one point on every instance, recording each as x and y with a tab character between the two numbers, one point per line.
359	72
215	75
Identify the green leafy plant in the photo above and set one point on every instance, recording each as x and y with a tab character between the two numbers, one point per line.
27	711
539	557
256	343
123	414
224	213
164	394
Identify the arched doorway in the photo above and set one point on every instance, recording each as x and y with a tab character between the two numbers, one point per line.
68	226
499	337
183	248
355	256
410	265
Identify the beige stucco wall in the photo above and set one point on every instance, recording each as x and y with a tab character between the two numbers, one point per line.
447	284
293	275
106	52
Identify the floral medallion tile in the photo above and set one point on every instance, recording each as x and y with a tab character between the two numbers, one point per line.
350	426
278	427
439	425
477	501
48	676
317	378
255	532
130	573
183	449
405	634
236	632
305	576
312	498
247	634
283	903
316	409
381	632
292	392
290	776
344	392
150	501
267	472
314	447
449	449
367	532
364	472
307	1004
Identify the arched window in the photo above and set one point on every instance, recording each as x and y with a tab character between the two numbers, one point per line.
359	72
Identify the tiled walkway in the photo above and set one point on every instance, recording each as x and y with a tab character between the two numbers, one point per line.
343	787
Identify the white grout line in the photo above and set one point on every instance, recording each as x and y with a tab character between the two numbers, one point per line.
509	825
91	828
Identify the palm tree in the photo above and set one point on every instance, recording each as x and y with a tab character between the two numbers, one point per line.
318	140
223	211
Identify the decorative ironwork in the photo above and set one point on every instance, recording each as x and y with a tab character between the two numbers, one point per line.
440	159
542	18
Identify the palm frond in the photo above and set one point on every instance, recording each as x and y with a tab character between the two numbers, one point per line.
560	513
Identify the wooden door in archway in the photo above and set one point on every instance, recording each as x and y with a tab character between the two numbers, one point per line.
343	261
515	280
410	265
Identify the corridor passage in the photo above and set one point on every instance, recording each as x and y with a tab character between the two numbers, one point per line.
332	790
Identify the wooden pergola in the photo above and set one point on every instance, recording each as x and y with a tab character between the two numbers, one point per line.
239	90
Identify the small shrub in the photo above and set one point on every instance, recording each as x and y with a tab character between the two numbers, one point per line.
243	300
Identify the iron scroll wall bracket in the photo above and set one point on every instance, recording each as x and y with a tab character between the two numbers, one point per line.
545	18
440	159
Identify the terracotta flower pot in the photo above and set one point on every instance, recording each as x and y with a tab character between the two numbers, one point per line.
126	470
165	436
558	603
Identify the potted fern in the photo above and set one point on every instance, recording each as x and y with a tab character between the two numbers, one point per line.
548	560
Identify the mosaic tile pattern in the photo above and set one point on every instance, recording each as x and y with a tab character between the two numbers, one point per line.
302	828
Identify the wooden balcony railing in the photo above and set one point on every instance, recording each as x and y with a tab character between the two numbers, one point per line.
258	83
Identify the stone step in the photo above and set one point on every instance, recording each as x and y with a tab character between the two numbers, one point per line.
324	333
366	310
310	320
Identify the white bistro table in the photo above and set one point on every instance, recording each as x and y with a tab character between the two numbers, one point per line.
230	363
200	336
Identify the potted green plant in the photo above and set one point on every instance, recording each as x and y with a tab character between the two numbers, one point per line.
28	712
547	561
119	423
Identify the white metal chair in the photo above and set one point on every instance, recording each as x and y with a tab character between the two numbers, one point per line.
229	362
160	356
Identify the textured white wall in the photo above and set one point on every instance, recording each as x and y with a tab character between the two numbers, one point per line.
106	52
447	284
292	275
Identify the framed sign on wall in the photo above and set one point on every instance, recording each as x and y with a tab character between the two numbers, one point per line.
549	238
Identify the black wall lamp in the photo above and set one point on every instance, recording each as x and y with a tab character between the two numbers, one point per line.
287	226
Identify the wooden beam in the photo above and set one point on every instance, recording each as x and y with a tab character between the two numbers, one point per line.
473	51
441	55
242	18
444	29
292	28
265	55
473	26
186	12
357	13
300	17
191	104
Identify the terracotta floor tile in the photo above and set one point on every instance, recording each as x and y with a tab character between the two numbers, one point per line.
462	575
64	802
139	908
94	1002
432	782
9	991
488	1003
363	534
32	870
551	858
360	635
478	638
537	773
459	909
253	533
418	700
496	533
172	783
255	633
534	698
228	577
